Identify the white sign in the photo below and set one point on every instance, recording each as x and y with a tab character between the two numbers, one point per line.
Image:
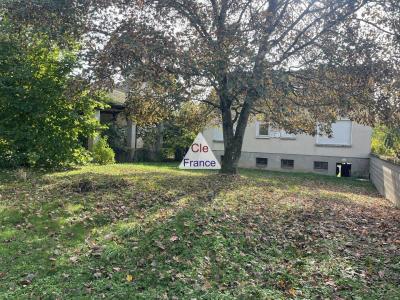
200	156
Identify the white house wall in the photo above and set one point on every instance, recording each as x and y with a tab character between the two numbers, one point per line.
303	149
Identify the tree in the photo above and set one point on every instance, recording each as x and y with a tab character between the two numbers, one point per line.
62	21
44	110
294	62
178	129
272	58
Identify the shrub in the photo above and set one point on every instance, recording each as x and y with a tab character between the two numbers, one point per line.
44	109
102	152
386	141
7	155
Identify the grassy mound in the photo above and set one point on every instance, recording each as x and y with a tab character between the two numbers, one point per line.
152	231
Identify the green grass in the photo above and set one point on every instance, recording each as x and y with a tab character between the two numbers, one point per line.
150	231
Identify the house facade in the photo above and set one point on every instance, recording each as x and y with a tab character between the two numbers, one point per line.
123	134
345	153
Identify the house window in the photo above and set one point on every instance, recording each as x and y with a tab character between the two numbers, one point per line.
218	135
262	130
261	161
341	134
287	163
320	165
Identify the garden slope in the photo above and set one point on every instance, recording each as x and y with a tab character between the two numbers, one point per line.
152	231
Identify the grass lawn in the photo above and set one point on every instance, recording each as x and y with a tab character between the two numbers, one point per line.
155	232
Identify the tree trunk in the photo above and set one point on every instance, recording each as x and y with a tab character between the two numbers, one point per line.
231	157
232	143
233	147
233	140
159	142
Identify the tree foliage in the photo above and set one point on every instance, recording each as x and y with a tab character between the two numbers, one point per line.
296	63
44	110
178	131
153	101
386	141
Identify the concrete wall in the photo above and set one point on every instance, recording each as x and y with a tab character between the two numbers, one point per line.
386	177
302	144
303	149
302	163
92	140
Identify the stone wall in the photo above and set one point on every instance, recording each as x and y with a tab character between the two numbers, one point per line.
386	177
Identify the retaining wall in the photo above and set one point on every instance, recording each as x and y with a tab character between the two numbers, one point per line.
386	177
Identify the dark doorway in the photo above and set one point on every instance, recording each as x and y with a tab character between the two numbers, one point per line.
343	169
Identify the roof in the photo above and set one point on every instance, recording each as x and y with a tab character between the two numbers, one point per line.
117	97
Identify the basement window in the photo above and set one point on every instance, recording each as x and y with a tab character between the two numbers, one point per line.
261	161
287	163
320	165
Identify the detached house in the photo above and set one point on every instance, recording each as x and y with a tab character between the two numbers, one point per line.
123	136
346	153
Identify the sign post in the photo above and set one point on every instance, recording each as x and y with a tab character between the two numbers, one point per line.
200	156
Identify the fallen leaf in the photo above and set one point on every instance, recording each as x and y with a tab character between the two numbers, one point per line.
129	278
27	280
206	286
292	292
109	236
160	245
174	238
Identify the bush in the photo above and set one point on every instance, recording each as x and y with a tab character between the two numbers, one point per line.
44	110
102	152
7	155
386	141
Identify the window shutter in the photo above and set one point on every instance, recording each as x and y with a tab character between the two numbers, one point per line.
341	134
